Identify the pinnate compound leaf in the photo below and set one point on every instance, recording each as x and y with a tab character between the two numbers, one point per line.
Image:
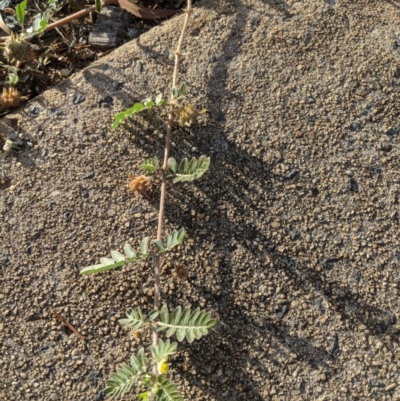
121	381
167	391
126	376
189	325
190	170
170	241
137	108
163	350
117	259
104	265
134	319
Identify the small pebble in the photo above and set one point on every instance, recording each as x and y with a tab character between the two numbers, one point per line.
386	147
391	387
132	33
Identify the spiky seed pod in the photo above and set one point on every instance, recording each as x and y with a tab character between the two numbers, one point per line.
188	115
16	48
181	272
137	334
139	184
10	98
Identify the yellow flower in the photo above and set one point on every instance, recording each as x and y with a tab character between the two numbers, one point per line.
163	367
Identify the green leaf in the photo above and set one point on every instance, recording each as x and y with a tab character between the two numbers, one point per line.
167	391
40	22
144	247
182	90
163	350
134	319
189	325
149	103
98	6
175	92
144	396
152	315
137	108
170	241
191	170
160	246
178	92
130	253
141	359
148	377
117	256
164	313
151	166
159	100
100	268
121	381
20	11
172	165
13	78
117	259
126	376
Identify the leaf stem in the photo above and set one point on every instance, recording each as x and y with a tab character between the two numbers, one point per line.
157	264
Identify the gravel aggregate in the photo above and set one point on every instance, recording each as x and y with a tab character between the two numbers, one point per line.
293	236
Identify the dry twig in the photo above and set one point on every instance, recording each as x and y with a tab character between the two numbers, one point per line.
66	323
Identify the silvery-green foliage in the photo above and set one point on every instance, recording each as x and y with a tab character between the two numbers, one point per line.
170	241
185	324
126	376
137	108
179	92
163	350
188	170
167	391
118	259
134	319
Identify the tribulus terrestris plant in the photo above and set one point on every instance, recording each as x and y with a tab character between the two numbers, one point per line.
147	370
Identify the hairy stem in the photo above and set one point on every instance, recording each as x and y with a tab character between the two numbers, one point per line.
157	264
